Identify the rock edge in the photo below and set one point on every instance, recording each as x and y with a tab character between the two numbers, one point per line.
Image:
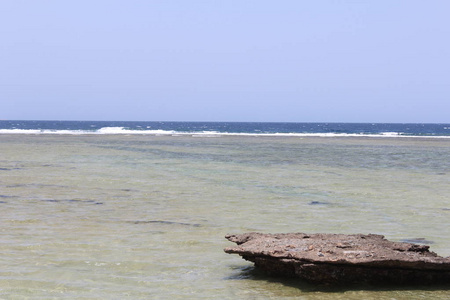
341	258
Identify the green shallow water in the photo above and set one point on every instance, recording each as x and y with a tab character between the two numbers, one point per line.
144	217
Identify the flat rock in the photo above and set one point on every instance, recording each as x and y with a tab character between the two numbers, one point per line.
341	258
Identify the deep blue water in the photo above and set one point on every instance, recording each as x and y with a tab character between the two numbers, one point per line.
227	127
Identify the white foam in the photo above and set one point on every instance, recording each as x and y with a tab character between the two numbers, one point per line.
110	130
41	131
391	133
160	132
19	131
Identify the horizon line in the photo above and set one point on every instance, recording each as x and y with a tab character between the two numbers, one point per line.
169	121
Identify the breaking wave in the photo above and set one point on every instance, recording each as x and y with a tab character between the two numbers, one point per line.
205	133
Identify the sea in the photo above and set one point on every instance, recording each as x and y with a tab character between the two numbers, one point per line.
140	210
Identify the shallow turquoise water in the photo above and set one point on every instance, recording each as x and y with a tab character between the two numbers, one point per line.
144	217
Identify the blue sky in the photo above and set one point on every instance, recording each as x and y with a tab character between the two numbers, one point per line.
230	60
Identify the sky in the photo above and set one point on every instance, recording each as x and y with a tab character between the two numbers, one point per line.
229	60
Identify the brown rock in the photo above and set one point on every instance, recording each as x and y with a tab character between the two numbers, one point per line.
340	258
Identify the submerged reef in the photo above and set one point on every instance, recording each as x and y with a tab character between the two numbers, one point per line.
341	258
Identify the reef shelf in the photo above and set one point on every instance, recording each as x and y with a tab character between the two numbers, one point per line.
341	258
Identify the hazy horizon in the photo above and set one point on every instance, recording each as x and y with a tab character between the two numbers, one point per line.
275	122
